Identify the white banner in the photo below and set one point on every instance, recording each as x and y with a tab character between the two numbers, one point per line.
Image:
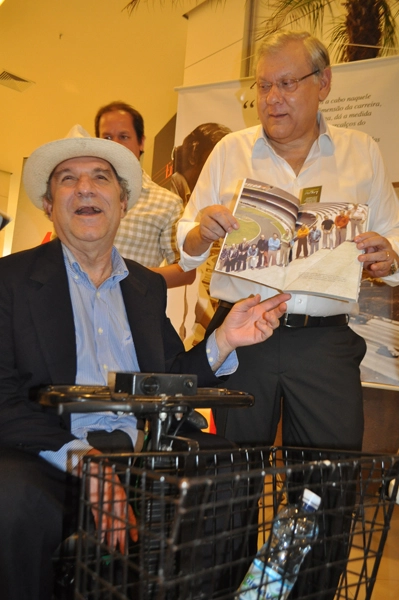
364	96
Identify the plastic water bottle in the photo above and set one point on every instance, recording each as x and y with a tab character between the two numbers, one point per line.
275	568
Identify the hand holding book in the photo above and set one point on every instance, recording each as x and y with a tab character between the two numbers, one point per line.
302	248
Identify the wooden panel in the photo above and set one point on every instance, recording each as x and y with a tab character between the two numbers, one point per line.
381	414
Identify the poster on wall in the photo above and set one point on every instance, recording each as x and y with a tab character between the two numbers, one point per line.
363	96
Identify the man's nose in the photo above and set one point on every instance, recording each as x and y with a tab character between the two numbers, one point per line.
275	94
84	185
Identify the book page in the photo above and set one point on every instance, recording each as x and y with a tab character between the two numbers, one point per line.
311	252
335	274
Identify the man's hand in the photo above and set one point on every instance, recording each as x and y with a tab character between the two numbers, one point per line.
378	254
109	504
249	322
215	222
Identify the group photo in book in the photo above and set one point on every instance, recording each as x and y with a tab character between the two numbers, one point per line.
297	245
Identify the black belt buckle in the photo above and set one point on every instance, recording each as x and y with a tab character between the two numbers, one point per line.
296	317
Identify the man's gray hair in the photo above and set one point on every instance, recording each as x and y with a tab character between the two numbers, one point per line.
318	55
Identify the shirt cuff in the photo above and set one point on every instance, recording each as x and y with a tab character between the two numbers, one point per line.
188	263
229	366
67	457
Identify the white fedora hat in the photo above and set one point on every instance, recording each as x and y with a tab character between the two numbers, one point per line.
79	142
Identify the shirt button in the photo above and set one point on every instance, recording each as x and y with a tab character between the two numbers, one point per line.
98	295
105	367
100	330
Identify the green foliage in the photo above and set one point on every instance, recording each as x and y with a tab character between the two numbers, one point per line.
367	28
286	13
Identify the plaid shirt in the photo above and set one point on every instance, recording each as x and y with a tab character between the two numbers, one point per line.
147	234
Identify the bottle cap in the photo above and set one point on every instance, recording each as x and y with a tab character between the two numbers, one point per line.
310	499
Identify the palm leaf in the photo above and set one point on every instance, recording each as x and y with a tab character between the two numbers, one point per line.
290	12
135	3
345	33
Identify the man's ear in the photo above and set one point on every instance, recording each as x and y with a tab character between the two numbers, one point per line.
142	143
123	208
325	83
48	208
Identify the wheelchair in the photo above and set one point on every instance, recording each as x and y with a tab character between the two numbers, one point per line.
166	408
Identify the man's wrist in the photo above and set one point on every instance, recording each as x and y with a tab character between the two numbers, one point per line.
225	368
194	244
224	348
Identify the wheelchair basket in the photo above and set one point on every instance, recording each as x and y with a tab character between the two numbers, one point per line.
202	516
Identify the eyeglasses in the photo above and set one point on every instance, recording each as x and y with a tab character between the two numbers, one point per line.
284	85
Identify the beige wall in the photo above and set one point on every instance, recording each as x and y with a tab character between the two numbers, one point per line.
214	42
82	54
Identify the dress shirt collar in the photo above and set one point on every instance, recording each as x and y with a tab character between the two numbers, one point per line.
325	140
119	269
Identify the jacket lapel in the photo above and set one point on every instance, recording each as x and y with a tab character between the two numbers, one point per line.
143	315
52	313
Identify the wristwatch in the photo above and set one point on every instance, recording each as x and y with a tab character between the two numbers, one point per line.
394	267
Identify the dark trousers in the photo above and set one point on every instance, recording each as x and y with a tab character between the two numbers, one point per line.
39	509
311	376
35	500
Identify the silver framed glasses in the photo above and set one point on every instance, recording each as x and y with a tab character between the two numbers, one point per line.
284	85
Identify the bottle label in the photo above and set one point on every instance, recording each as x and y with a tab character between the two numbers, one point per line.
263	583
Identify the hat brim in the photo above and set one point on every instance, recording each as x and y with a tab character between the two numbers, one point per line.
44	159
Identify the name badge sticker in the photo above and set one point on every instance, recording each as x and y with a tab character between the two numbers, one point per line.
311	194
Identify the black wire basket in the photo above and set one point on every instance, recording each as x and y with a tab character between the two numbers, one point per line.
201	517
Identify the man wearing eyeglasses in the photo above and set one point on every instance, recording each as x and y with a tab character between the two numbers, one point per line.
310	369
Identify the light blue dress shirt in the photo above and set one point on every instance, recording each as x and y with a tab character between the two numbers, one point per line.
104	344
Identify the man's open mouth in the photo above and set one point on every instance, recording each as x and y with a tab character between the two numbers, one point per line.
88	210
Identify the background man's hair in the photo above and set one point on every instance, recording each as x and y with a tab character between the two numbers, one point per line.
200	140
137	119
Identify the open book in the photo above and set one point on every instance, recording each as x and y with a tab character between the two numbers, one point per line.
294	247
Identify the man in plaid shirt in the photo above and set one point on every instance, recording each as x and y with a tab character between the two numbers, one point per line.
148	232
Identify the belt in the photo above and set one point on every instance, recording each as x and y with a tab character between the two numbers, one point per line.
225	304
293	320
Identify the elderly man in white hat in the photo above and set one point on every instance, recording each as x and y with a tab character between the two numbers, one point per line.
71	311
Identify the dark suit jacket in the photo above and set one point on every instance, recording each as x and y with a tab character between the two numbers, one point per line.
37	340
